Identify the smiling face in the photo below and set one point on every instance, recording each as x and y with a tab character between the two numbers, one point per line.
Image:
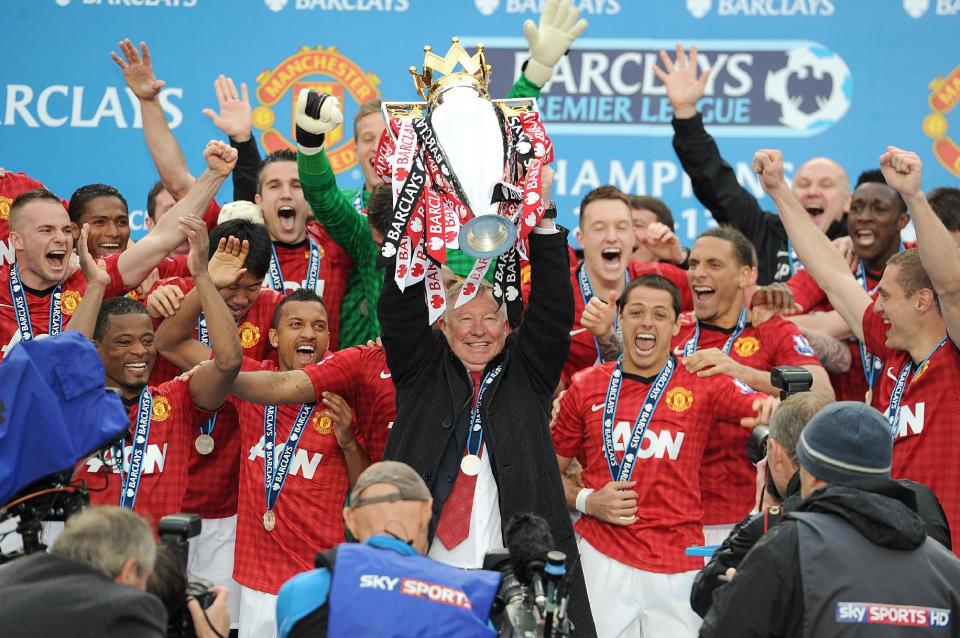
109	226
285	211
875	221
649	323
716	278
476	331
823	188
42	236
301	335
367	133
607	237
241	295
128	352
896	308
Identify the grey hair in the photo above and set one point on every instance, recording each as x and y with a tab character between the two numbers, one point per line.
105	538
484	287
792	416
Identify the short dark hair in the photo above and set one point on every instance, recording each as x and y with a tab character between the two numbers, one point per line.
367	108
283	155
655	206
380	207
743	249
945	202
24	198
657	282
261	249
82	196
155	190
168	581
875	176
607	191
300	294
116	306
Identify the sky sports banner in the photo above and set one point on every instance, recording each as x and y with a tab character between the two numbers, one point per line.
841	78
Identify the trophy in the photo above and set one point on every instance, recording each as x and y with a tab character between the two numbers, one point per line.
465	172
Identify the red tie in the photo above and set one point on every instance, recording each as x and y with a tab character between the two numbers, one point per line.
454	525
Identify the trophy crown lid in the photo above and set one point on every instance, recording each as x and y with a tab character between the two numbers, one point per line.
474	70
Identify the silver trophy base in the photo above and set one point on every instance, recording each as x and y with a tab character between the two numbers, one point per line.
487	236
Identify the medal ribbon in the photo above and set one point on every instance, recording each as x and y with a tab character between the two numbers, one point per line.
130	484
893	410
586	293
358	201
22	310
275	471
691	346
476	419
618	471
313	269
870	362
203	336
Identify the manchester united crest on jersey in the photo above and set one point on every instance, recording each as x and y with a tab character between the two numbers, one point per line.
746	346
322	423
161	408
679	399
70	300
249	334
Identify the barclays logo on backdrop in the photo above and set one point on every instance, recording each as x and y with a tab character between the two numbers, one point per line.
919	8
762	8
169	4
756	87
340	5
586	7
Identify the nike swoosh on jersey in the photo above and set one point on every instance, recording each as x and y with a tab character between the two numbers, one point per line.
574	333
890	373
678	351
385	375
596	407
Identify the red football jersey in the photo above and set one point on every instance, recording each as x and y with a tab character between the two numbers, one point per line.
309	511
335	267
253	329
583	347
669	517
852	384
11	185
727	478
927	445
360	375
164	480
211	489
39	306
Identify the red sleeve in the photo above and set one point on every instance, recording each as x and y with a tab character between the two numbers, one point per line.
173	267
182	399
806	291
116	287
676	275
875	333
211	214
568	430
185	284
337	374
791	346
732	399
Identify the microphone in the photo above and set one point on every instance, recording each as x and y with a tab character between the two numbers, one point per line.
529	539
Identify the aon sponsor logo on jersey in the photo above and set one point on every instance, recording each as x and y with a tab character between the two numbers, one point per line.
911	420
153	463
658	445
304	463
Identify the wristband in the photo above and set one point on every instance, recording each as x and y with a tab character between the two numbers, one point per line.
550	212
582	499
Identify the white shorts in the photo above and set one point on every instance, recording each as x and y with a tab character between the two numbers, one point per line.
631	602
258	614
211	558
716	534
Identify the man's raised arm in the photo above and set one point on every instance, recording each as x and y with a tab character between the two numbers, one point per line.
140	259
824	263
938	251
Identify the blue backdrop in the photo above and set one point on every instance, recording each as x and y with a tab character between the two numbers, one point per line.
841	78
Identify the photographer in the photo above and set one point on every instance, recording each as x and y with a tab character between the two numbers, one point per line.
208	619
385	586
90	584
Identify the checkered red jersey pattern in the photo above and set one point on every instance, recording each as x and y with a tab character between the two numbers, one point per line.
727	478
164	481
360	375
70	296
927	444
852	384
253	329
583	347
309	512
11	185
667	471
335	267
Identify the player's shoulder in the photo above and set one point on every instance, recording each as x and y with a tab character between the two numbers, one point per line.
593	374
173	391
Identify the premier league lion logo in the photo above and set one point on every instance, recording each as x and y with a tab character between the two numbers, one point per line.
813	89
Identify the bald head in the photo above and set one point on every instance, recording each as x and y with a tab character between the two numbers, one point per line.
823	187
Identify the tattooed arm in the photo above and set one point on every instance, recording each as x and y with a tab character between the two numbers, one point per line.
833	354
